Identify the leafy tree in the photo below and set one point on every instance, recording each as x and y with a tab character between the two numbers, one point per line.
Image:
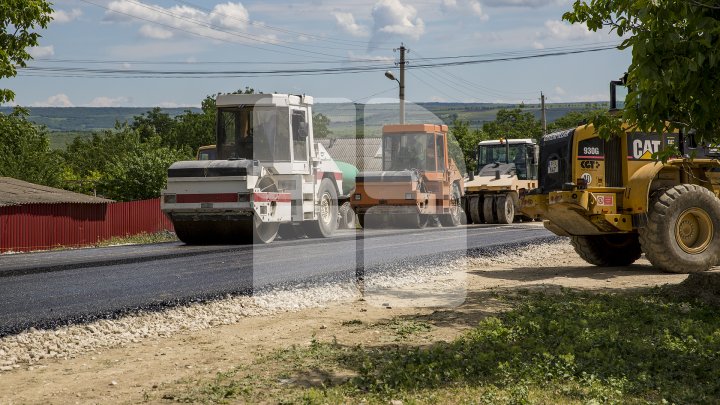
463	144
139	174
675	61
18	20
152	123
25	151
321	122
573	119
513	124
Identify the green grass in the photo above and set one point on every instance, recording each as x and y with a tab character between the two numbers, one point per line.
647	347
139	239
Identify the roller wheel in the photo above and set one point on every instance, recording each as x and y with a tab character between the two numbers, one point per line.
454	217
489	210
682	234
326	224
475	208
411	221
504	209
264	232
608	250
184	232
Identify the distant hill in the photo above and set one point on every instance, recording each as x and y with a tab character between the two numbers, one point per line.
68	123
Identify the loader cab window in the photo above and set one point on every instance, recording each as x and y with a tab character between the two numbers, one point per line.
488	154
299	135
408	151
249	132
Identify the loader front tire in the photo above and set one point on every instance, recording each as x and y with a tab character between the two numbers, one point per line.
608	250
326	224
682	234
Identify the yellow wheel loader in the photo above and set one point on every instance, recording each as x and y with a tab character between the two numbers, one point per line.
616	201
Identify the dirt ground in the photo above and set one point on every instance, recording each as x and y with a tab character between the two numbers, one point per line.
452	302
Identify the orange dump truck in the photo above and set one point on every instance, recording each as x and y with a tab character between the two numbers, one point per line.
419	180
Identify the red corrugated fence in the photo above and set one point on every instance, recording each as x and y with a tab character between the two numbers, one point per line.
43	226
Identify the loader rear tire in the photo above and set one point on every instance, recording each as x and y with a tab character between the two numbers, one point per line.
475	208
504	209
326	224
489	209
608	250
682	234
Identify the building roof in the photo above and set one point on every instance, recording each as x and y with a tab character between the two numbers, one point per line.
18	192
365	153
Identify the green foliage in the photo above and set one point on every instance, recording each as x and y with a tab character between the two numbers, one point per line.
25	151
675	60
19	19
573	119
321	124
463	144
512	124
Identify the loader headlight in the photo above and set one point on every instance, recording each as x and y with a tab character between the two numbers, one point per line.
170	198
409	196
358	197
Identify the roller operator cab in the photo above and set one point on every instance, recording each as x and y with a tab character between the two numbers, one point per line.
616	201
506	169
419	180
268	171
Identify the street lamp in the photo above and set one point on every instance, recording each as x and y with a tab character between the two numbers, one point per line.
391	76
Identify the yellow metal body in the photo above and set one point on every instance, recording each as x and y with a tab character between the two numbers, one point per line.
596	209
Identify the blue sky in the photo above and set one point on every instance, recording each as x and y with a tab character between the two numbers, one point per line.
121	37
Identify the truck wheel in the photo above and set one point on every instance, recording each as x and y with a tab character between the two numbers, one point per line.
346	217
504	209
488	209
454	218
326	223
475	208
608	250
682	234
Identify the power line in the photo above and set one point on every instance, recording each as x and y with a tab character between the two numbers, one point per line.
92	72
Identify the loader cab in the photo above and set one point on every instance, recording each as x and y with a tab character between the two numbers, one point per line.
523	153
273	129
420	147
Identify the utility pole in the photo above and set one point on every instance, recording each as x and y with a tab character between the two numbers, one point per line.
402	82
543	118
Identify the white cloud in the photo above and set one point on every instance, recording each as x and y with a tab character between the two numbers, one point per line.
231	18
42	51
58	100
559	30
463	7
108	102
155	32
346	22
523	3
477	9
538	45
394	19
560	91
60	16
230	15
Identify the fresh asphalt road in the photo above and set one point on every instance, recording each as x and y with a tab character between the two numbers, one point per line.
51	288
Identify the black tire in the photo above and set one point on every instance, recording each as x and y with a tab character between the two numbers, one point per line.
361	220
682	234
504	209
489	209
454	218
326	224
608	250
475	208
346	217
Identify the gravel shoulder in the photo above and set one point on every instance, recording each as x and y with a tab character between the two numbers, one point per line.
143	357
